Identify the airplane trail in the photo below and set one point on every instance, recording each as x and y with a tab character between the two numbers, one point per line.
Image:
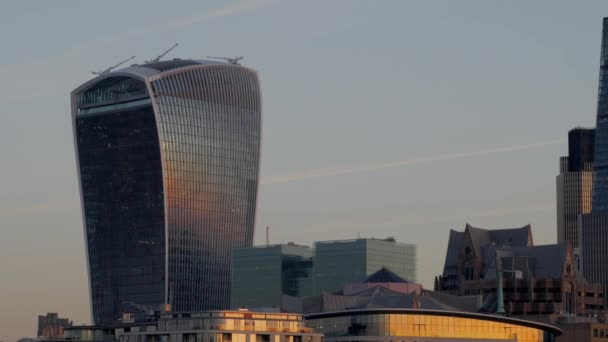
338	171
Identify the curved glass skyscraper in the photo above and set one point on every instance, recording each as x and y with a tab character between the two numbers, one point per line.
168	158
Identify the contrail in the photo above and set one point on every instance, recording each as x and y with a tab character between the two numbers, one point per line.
338	171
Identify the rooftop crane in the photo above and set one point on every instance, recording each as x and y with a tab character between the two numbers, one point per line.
162	54
234	60
103	72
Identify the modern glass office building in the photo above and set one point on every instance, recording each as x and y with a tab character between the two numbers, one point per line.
600	166
574	184
593	227
168	159
261	275
350	261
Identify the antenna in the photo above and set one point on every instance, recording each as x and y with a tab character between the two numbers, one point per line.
267	235
162	54
103	72
234	60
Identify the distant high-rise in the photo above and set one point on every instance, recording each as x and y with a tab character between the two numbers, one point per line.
168	158
51	326
593	227
575	184
600	163
349	261
261	275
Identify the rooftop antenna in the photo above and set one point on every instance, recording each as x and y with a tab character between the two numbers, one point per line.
234	60
267	235
103	72
162	54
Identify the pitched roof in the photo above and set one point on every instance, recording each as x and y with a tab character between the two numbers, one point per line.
451	256
546	261
513	237
384	275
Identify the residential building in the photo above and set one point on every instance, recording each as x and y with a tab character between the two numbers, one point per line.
575	184
216	326
51	326
349	261
262	274
168	160
516	277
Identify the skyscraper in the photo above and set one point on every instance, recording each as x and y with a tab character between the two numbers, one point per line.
168	158
600	166
593	227
574	184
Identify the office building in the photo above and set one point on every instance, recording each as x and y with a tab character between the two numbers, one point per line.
349	261
385	311
51	326
600	163
262	274
515	277
575	184
593	227
168	158
207	326
594	247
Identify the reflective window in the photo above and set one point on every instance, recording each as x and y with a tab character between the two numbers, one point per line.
209	130
122	191
401	325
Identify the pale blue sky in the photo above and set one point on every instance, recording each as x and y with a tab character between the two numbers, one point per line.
381	118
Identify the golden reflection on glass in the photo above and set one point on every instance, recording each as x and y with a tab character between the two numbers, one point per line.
420	325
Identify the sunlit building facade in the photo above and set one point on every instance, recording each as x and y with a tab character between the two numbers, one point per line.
393	325
574	184
168	160
388	308
207	326
52	326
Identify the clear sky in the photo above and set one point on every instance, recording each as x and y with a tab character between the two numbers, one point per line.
381	118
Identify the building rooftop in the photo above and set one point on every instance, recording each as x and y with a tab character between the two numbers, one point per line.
384	275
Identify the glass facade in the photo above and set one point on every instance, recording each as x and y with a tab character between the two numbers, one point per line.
438	326
351	261
209	131
600	166
168	164
122	194
261	275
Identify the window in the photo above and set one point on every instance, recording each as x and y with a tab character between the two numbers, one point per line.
262	338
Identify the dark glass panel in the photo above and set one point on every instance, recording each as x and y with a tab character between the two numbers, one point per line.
112	90
121	181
